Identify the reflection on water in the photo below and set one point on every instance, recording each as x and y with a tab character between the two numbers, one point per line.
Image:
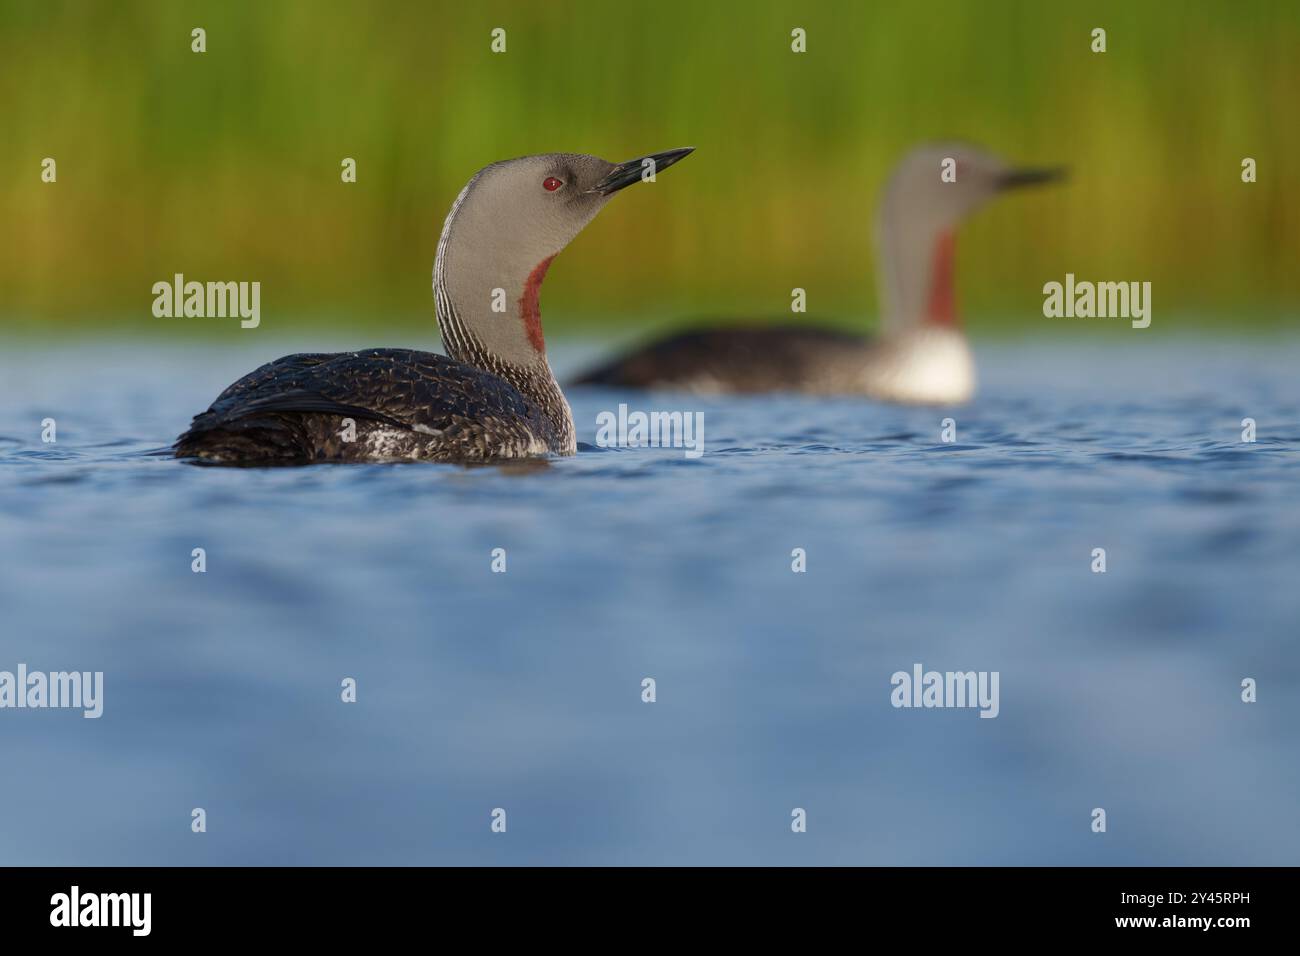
522	690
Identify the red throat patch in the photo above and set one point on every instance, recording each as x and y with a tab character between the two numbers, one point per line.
529	310
942	307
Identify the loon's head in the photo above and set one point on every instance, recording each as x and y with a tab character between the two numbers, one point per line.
940	184
932	190
508	223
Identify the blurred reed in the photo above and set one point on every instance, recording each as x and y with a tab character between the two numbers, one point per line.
225	165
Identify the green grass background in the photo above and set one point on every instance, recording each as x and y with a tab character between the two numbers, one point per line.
225	165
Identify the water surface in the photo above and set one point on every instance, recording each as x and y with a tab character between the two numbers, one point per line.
522	690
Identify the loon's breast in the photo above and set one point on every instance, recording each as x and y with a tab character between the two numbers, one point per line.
925	366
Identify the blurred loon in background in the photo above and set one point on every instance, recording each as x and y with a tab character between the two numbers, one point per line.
921	355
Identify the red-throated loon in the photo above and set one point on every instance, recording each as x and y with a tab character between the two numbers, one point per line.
492	396
921	356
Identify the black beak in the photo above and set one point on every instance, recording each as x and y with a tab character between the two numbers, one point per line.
625	174
1032	176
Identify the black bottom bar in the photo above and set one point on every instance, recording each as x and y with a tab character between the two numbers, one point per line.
209	905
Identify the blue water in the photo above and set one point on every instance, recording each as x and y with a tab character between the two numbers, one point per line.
522	690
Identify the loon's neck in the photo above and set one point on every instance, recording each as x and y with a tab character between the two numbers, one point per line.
534	379
917	277
486	304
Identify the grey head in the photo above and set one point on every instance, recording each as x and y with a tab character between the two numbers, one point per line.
933	189
508	223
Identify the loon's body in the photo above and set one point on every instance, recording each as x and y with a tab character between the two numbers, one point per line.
492	397
926	365
921	356
378	404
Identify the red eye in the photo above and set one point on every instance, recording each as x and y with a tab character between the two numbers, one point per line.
551	184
